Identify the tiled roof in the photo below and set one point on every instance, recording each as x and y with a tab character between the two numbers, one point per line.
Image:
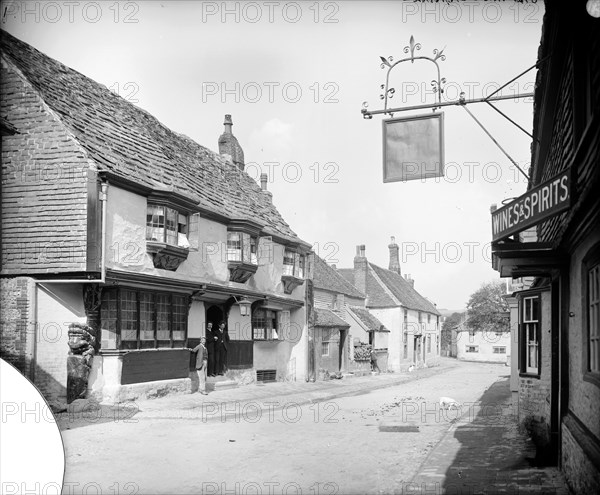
378	297
328	278
327	318
132	144
402	290
368	319
385	285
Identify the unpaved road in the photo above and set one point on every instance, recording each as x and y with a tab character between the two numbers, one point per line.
371	443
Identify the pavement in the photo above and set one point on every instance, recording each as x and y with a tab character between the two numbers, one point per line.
485	453
478	454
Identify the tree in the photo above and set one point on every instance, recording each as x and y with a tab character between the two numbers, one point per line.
450	324
487	309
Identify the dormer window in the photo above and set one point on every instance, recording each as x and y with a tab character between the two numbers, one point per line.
294	264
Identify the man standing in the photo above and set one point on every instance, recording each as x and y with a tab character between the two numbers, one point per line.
201	364
211	338
221	349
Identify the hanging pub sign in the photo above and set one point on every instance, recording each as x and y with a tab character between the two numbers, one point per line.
542	202
413	147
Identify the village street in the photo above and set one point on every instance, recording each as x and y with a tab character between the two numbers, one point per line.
375	442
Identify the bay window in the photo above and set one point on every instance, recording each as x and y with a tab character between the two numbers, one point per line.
242	247
294	269
164	224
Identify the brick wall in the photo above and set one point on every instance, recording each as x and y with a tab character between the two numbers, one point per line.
17	327
534	393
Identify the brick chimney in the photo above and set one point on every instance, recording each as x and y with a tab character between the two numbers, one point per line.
394	256
229	146
263	185
360	269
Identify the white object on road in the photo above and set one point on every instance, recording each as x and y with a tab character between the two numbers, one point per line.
448	403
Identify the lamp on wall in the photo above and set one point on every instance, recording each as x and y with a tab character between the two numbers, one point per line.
244	305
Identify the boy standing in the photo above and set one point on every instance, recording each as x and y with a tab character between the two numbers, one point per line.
201	364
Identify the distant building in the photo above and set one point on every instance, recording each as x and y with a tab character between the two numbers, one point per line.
413	321
345	331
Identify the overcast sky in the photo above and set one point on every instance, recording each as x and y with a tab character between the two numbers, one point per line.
294	76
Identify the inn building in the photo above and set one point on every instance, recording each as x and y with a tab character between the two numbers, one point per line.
112	220
555	254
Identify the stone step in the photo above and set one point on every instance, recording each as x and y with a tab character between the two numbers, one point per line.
219	383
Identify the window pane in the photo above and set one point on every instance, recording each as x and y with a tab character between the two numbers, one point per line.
288	262
254	250
171	226
108	318
162	316
128	315
234	246
179	317
246	248
301	264
155	223
146	316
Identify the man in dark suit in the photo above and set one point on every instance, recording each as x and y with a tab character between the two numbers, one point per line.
201	364
222	337
211	338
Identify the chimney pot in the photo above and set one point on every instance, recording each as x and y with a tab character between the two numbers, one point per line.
263	181
394	265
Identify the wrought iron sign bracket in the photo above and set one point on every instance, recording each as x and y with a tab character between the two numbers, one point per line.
438	89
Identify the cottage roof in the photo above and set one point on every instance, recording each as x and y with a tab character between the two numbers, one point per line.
385	288
327	318
367	319
126	141
328	278
401	289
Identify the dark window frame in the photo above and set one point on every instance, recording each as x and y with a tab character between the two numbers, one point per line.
180	228
591	260
270	324
175	301
523	343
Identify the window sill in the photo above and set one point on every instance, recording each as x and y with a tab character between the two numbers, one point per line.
166	256
268	340
529	374
290	283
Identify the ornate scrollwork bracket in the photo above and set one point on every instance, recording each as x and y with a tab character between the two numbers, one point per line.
388	92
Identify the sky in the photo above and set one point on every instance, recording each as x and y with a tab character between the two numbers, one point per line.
294	76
